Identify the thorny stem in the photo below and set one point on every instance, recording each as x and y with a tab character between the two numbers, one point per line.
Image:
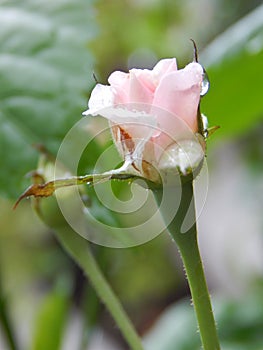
188	247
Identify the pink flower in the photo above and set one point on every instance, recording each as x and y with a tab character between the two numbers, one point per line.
153	116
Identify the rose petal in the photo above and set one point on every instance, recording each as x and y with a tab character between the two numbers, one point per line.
119	78
170	129
120	82
131	130
146	78
186	155
128	114
132	87
102	96
163	67
179	93
139	93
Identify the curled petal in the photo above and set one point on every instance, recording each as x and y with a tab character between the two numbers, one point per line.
179	93
120	83
102	96
138	92
146	78
163	67
119	78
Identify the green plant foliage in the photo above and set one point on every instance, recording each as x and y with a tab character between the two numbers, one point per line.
239	323
45	69
144	264
49	326
7	331
234	65
145	24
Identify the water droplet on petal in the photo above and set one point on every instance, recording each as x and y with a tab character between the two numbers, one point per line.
205	84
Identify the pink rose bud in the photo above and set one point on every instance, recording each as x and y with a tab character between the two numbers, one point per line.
154	117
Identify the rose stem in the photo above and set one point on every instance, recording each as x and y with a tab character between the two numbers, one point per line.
188	247
78	248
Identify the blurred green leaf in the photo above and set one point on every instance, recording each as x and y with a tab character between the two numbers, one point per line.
51	320
234	65
45	68
176	329
151	31
6	325
144	263
240	324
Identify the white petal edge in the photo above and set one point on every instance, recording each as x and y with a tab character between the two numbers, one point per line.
102	96
120	115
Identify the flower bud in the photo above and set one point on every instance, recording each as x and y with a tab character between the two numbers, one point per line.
154	117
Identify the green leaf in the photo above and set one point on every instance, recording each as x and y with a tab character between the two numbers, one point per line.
239	325
6	325
45	70
176	329
234	65
51	320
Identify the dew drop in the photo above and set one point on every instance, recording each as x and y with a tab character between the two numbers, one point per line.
205	84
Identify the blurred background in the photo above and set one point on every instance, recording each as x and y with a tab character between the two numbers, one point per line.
48	54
